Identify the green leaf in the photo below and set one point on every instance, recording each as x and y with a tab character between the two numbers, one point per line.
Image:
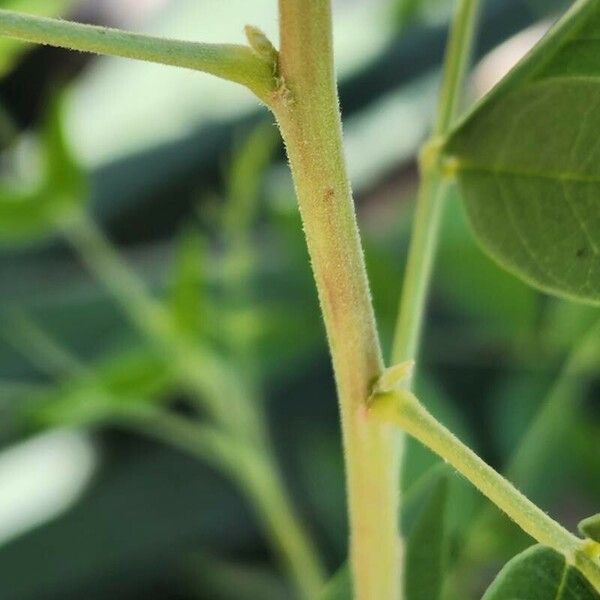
339	587
426	547
528	162
11	49
540	573
64	179
27	212
129	378
245	179
590	528
186	300
503	305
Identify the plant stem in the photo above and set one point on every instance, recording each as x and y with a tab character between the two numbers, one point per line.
254	471
458	55
545	430
229	61
419	267
45	353
205	375
215	387
307	111
433	189
405	410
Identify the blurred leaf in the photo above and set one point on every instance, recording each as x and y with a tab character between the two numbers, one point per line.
514	404
246	177
186	299
339	587
565	323
405	12
540	573
426	547
133	377
228	581
28	214
23	216
10	49
64	177
527	162
590	527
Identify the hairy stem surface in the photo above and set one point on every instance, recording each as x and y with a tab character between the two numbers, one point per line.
403	409
307	111
229	61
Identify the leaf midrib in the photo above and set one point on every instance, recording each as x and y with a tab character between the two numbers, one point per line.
462	165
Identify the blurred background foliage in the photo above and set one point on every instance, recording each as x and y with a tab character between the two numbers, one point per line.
186	177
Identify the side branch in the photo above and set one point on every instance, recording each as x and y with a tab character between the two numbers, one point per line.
392	404
237	63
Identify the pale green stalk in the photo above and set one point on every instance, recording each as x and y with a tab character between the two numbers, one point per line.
306	107
433	188
206	376
432	191
254	471
216	388
237	63
403	409
526	460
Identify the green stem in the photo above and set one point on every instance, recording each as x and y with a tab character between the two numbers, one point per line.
433	189
45	353
259	479
545	430
215	387
204	374
237	63
419	268
458	55
307	110
404	410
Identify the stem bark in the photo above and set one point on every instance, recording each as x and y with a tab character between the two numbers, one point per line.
306	107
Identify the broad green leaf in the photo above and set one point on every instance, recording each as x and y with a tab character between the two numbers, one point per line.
590	527
540	573
426	547
11	50
339	587
502	305
28	212
528	162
